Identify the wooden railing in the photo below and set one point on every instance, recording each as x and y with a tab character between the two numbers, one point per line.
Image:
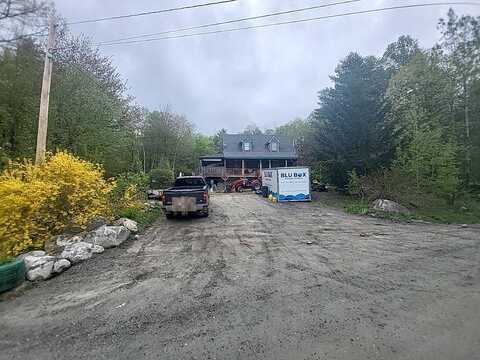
222	172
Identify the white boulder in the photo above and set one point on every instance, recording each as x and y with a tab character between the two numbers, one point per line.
41	272
97	249
129	224
108	236
61	265
77	252
35	258
38	265
35	253
389	206
64	240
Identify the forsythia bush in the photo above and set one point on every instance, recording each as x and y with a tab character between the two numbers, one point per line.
129	193
37	202
131	199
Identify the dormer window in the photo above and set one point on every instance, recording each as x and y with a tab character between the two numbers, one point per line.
273	144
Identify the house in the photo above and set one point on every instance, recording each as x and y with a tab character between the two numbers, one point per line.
244	156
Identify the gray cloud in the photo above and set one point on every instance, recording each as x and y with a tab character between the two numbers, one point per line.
266	76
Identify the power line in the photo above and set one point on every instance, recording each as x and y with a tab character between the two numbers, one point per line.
20	37
151	12
231	21
295	21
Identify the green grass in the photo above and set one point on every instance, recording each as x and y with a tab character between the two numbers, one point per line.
450	215
465	211
358	207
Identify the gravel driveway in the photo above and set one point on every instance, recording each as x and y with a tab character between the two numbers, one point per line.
246	284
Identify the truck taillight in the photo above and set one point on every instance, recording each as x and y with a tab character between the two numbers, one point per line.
205	196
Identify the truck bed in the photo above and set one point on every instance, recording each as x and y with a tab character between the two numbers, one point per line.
186	199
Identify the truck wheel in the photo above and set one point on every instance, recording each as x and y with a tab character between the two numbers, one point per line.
240	189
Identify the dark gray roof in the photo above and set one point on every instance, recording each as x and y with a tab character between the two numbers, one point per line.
232	147
232	144
260	155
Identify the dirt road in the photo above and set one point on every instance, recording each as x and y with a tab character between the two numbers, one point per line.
244	284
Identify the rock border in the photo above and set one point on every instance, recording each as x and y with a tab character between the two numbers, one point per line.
66	250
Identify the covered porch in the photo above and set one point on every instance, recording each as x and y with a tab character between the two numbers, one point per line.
217	167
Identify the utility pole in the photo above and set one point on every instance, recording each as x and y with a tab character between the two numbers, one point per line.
45	97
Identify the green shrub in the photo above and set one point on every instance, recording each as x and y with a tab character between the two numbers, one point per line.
354	186
37	202
161	178
129	193
138	180
317	174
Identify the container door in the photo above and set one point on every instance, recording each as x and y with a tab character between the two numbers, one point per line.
269	179
294	184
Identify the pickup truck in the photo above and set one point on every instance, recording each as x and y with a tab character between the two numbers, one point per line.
188	195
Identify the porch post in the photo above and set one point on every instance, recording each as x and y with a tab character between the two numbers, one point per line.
260	168
286	163
243	168
269	164
224	168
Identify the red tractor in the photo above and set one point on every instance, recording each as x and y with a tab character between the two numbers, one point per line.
241	185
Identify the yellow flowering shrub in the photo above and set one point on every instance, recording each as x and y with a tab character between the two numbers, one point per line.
37	202
129	193
131	198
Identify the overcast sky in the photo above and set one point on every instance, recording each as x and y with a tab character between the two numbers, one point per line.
263	76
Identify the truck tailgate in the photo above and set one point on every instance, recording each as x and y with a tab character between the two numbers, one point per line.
195	194
184	204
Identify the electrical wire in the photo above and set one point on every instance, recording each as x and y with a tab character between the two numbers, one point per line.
20	37
150	12
370	11
231	21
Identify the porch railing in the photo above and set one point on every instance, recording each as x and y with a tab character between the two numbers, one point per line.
222	172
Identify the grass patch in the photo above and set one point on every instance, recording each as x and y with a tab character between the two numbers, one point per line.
467	215
359	207
465	211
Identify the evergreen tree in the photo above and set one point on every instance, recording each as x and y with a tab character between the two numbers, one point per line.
349	127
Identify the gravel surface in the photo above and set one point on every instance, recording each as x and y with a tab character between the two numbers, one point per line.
258	280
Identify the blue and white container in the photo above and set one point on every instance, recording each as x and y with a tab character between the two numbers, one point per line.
288	184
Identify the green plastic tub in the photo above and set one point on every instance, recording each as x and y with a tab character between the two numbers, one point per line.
12	274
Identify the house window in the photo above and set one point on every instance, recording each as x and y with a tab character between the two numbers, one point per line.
274	146
246	146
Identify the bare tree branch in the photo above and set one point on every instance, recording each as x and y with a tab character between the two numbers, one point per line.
21	19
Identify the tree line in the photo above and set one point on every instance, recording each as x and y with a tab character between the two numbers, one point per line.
91	113
403	123
408	119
